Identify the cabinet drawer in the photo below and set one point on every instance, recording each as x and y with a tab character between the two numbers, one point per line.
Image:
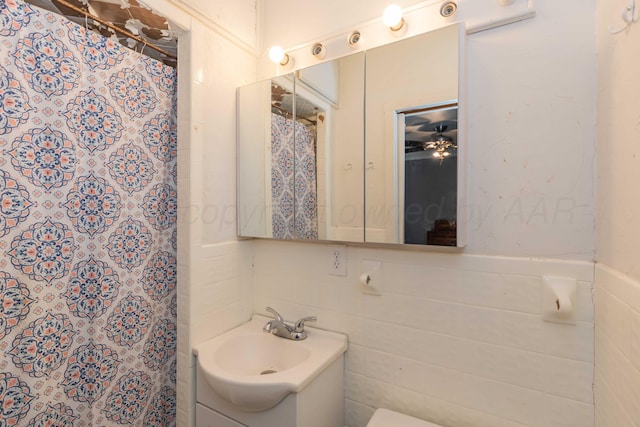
206	417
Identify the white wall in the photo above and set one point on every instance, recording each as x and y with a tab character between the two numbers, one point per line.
617	287
618	132
530	122
214	270
457	337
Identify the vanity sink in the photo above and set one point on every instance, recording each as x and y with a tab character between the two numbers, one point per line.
254	371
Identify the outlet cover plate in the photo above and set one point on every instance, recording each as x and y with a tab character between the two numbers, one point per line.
337	260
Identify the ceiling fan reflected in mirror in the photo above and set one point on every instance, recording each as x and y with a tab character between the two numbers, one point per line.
441	144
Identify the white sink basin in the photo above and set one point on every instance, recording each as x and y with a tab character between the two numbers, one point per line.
254	370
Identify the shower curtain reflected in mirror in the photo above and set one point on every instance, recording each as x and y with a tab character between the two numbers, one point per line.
88	181
293	179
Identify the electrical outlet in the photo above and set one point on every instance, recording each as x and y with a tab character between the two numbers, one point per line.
338	260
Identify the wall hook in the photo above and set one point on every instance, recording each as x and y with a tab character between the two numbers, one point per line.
628	15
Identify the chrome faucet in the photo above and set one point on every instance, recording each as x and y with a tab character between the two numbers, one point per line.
279	328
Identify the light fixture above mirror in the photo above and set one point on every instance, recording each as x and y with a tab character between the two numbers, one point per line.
392	18
277	55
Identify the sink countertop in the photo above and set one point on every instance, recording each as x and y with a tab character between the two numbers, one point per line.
245	365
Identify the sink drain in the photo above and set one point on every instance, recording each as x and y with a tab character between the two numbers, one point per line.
268	371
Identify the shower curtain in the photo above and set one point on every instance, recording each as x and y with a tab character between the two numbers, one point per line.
87	227
293	180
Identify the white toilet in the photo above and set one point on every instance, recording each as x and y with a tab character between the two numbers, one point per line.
387	418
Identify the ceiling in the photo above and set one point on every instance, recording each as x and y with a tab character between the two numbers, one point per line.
424	126
129	15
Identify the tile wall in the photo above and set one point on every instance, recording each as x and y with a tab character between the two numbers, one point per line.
455	339
617	344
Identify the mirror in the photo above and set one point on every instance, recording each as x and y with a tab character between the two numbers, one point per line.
427	160
306	172
412	142
257	131
336	90
312	189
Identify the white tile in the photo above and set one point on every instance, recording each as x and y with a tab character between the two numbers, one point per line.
559	412
521	293
480	324
426	379
411	311
460	332
584	302
634	351
581	270
405	402
609	411
484	289
502	400
419	280
357	414
558	376
380	366
355	359
570	342
530	332
355	387
613	318
619	373
623	287
435	349
449	414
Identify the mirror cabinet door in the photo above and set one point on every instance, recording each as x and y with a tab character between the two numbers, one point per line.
330	104
411	179
265	159
300	154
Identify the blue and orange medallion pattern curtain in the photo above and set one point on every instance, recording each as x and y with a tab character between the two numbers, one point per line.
88	182
293	180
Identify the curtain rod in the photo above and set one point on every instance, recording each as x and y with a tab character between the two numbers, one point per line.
114	28
289	115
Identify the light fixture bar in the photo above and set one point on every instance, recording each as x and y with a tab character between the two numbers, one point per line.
422	17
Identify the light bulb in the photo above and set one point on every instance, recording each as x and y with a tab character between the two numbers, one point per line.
276	54
392	17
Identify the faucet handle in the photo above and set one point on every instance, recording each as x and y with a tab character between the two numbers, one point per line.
299	325
275	314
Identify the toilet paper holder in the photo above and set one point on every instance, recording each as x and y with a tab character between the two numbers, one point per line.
559	299
370	280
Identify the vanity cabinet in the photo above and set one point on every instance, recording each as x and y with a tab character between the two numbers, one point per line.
206	417
319	404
